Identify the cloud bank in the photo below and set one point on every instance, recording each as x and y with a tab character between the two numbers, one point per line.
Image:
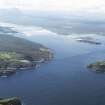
56	5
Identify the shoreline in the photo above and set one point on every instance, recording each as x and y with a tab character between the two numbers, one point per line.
32	65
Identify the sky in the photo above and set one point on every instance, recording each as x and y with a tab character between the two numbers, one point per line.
56	5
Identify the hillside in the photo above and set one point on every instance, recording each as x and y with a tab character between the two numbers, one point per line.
11	43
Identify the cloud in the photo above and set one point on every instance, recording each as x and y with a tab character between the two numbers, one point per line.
57	5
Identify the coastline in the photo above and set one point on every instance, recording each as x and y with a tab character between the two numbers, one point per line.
25	66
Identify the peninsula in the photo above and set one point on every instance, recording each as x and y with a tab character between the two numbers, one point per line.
18	53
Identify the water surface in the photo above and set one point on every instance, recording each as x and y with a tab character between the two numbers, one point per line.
63	81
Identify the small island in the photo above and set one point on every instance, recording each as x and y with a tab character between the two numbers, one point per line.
88	40
10	101
98	66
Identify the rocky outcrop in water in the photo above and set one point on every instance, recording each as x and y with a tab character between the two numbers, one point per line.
10	101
